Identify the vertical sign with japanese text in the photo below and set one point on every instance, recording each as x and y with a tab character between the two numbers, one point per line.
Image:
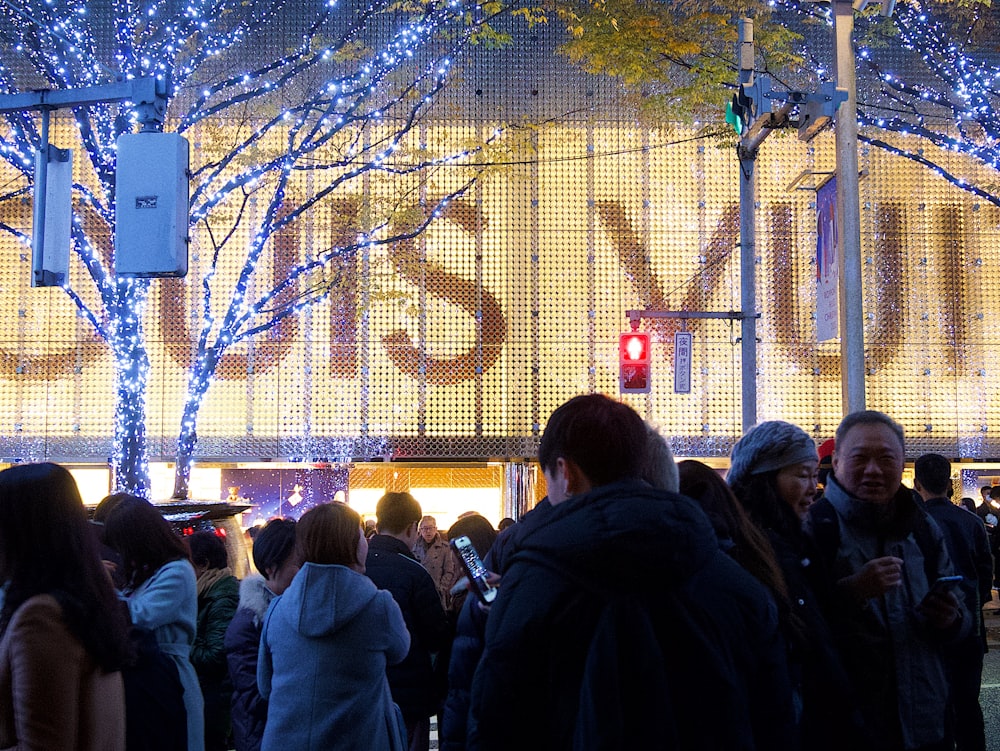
682	362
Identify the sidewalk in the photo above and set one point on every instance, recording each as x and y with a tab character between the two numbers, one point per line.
991	614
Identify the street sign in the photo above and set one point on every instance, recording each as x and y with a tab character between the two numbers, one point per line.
682	362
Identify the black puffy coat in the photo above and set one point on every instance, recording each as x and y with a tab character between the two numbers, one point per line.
621	549
391	566
470	637
242	643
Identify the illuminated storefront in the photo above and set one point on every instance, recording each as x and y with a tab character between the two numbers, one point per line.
455	347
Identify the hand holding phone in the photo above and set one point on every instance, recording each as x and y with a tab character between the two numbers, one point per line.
474	569
946	583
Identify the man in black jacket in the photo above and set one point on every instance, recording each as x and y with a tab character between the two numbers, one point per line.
391	566
620	623
969	548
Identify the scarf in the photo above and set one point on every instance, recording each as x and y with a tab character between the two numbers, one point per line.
211	577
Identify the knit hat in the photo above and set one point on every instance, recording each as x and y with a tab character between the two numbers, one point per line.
767	447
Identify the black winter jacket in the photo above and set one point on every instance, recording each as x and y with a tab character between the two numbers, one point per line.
391	566
655	551
470	635
249	708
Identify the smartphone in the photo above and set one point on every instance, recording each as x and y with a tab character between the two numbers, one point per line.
474	569
946	583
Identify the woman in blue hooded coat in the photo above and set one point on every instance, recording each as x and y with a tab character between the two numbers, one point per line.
325	645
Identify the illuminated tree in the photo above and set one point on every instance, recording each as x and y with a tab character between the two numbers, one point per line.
932	70
316	121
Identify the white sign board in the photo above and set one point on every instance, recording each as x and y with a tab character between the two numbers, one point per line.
682	362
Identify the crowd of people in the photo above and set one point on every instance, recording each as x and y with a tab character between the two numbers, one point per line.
643	603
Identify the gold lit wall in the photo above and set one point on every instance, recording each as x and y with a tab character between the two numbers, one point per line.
458	345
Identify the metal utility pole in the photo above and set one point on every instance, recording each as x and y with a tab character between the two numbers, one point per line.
748	241
852	330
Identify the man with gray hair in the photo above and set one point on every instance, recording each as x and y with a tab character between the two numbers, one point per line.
882	555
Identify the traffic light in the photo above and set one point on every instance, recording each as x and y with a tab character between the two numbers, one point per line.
633	362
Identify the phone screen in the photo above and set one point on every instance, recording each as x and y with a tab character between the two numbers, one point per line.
474	568
946	583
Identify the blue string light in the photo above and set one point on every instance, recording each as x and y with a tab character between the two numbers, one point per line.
368	96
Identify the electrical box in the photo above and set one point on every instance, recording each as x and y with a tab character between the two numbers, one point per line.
151	205
53	217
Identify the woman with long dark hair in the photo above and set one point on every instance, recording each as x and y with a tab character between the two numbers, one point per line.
161	592
773	471
63	632
738	536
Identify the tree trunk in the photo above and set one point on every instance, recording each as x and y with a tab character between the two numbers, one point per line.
201	379
130	460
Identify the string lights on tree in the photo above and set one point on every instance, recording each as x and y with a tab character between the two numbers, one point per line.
344	101
929	72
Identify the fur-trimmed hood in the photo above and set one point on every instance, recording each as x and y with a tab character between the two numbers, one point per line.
255	596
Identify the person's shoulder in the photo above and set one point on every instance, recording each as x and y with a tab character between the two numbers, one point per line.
722	582
40	605
179	567
40	621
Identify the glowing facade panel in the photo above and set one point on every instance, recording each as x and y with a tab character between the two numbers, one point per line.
460	342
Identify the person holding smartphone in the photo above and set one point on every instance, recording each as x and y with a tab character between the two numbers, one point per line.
880	554
969	547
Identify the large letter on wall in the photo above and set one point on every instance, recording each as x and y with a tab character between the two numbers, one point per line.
232	365
635	261
469	296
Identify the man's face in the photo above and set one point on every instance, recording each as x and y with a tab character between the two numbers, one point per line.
428	530
868	462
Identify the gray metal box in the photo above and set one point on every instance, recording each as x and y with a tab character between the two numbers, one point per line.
151	205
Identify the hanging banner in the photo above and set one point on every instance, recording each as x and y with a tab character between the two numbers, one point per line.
682	362
827	262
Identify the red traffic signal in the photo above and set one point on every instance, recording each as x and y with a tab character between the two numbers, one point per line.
633	362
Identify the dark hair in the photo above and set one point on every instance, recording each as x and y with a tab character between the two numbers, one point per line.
759	497
750	546
329	534
504	523
145	540
47	546
207	550
933	472
397	511
479	531
868	417
273	544
606	439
